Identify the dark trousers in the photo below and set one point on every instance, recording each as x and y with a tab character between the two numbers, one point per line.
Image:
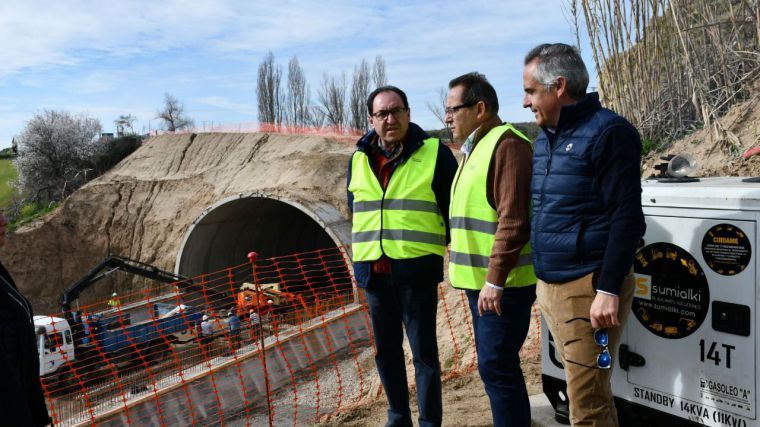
393	307
498	340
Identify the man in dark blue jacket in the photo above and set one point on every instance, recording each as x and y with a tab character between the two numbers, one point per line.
399	183
587	221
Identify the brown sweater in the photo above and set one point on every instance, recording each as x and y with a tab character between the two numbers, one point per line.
508	192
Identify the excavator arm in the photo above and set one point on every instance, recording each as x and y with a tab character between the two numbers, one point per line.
118	263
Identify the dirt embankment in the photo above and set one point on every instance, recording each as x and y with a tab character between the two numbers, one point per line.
718	148
142	208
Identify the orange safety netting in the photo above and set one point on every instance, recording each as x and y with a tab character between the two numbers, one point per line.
338	133
276	341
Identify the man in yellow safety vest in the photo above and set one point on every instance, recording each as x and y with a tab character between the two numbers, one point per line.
399	181
490	228
114	302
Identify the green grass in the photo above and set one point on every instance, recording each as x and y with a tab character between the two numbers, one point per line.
7	174
647	146
30	212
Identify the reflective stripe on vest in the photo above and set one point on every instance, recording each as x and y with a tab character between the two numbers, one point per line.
403	221
473	221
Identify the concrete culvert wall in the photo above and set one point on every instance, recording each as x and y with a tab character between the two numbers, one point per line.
224	234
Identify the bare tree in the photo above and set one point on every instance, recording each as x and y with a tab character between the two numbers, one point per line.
439	108
124	124
359	94
316	118
268	91
379	77
572	15
173	114
55	151
672	66
332	100
297	102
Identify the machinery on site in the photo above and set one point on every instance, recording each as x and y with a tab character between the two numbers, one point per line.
83	342
267	298
689	353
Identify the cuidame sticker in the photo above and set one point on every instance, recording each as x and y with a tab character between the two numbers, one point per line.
726	249
672	296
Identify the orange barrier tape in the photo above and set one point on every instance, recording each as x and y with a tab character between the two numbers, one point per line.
155	346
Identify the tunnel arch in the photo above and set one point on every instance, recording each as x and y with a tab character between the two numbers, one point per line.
271	225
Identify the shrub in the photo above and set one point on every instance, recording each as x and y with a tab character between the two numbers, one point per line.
112	151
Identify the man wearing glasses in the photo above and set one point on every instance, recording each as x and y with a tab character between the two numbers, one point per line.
399	181
490	255
587	221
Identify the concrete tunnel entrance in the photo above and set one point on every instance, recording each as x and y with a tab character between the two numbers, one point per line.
224	234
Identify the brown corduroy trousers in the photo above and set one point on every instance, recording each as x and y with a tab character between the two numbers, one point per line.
566	307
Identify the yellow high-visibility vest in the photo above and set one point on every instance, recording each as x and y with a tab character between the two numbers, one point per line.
404	221
473	221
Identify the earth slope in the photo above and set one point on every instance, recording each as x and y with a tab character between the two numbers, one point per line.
143	207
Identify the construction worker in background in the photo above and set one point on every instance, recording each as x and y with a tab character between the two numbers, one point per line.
399	180
233	323
490	228
207	331
114	302
253	318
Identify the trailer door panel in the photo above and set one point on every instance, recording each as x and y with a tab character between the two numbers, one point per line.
693	318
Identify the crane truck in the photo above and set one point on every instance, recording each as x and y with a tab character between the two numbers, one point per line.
80	344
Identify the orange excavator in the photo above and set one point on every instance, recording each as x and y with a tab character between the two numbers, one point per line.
268	298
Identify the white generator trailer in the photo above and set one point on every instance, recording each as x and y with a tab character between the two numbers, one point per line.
689	354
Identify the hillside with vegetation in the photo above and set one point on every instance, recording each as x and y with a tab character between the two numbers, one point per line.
684	72
8	175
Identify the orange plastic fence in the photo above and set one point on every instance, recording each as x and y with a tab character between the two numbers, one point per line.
107	357
339	133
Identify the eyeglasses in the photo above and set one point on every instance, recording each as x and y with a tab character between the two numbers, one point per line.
451	110
383	114
602	339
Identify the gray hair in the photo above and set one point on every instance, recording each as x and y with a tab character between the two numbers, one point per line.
560	60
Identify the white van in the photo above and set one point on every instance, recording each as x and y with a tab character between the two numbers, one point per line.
55	343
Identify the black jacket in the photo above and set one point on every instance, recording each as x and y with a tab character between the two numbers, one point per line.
21	398
425	269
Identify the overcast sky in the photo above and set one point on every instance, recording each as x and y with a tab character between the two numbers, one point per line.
108	58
